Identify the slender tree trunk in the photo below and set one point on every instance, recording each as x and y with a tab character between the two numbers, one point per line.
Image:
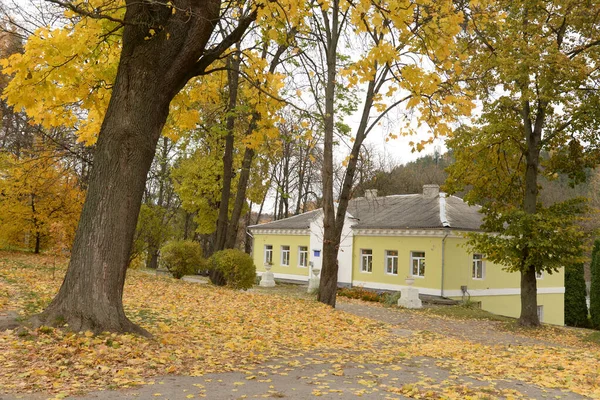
186	225
36	249
240	199
260	209
286	184
216	276
248	239
154	243
329	272
222	222
301	173
37	243
533	132
335	225
150	73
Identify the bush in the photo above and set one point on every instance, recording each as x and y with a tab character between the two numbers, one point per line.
235	267
182	257
595	287
391	299
360	293
576	312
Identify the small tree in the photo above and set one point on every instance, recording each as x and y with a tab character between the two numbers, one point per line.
236	267
182	257
595	287
576	312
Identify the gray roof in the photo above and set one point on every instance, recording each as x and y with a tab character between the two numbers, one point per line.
413	211
300	221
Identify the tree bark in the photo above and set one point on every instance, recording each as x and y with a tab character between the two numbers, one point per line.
240	199
533	132
529	316
151	72
37	243
329	272
233	63
335	224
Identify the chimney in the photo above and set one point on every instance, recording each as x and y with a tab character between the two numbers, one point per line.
370	194
431	191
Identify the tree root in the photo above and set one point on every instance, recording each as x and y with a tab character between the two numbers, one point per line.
82	323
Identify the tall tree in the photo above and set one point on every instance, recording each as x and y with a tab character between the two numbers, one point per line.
163	46
40	198
576	310
394	36
534	66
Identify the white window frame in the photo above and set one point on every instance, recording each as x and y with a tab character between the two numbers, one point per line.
394	259
285	256
268	254
421	264
478	262
364	256
303	256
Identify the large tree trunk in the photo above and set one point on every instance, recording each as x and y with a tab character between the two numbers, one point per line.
150	73
529	315
91	295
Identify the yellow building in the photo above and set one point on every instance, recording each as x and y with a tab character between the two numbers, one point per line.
387	239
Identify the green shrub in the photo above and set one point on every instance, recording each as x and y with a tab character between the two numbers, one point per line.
595	287
576	312
391	299
235	267
182	257
360	293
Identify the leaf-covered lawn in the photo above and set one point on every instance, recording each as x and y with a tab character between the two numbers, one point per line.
200	329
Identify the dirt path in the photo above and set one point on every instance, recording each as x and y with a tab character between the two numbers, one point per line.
479	331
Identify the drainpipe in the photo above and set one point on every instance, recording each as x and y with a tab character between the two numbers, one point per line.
444	258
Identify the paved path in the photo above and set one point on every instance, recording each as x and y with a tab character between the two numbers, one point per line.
336	376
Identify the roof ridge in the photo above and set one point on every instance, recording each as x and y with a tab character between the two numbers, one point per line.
288	218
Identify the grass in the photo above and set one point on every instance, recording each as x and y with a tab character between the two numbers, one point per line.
286	289
593	337
465	312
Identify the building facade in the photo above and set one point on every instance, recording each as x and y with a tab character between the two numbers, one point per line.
387	239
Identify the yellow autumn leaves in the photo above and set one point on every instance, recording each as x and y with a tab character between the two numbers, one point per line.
200	329
41	200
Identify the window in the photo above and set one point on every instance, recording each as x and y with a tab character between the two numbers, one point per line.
540	313
268	254
366	260
303	256
539	274
285	256
477	266
417	262
391	262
